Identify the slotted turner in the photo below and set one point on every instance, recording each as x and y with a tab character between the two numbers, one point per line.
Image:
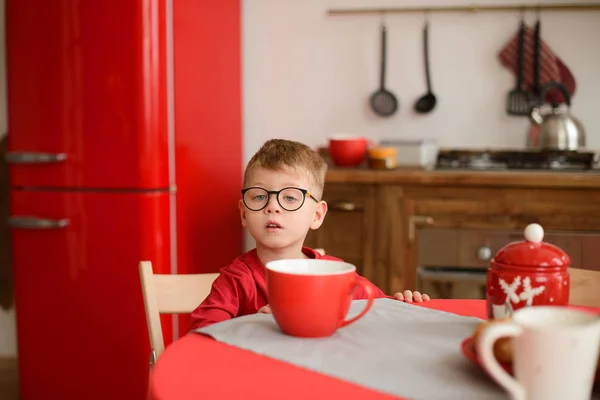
536	100
517	101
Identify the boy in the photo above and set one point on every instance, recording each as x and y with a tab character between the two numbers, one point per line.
281	201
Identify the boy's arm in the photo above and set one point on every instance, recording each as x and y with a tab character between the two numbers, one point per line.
407	296
360	293
222	303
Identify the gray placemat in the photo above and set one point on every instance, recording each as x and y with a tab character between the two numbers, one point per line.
397	348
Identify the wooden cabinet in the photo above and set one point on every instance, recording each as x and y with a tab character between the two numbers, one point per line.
347	231
378	219
474	211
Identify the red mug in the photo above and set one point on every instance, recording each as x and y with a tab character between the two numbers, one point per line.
310	298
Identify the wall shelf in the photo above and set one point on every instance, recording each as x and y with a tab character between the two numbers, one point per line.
475	8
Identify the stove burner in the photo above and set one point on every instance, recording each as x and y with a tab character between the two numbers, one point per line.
514	159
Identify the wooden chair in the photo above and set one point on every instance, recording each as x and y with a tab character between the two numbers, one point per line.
585	287
170	294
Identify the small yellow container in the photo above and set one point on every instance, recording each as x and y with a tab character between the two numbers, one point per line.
382	158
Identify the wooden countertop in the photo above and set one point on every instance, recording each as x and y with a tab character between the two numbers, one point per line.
417	176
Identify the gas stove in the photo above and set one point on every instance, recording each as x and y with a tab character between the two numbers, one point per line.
486	160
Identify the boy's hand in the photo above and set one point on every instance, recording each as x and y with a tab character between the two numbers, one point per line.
265	310
410	297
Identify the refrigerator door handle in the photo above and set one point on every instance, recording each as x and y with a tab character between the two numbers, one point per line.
30	157
28	222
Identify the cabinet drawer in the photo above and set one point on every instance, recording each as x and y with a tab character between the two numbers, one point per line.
473	248
348	197
513	214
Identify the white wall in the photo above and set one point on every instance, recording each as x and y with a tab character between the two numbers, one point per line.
307	75
8	337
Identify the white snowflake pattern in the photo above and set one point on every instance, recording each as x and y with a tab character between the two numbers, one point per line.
529	293
511	290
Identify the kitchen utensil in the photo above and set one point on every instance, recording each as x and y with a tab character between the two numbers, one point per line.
347	151
383	102
325	287
555	353
527	273
517	100
554	127
549	62
427	102
536	99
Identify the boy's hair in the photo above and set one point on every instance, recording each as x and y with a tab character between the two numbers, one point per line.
277	154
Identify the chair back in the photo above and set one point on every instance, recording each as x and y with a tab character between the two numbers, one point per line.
585	287
170	294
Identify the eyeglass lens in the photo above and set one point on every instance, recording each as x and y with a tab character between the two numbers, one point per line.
290	199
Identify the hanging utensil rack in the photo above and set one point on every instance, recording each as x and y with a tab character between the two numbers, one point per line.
467	9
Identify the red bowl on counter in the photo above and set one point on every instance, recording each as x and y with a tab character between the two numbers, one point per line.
347	151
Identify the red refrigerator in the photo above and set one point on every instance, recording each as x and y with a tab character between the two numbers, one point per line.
124	145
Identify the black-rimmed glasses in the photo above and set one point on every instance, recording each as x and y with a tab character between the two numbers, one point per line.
289	198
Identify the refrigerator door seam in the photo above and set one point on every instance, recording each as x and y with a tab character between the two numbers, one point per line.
171	149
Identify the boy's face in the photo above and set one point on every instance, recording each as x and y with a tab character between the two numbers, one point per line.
274	227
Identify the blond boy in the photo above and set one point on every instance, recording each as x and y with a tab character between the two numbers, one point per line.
281	201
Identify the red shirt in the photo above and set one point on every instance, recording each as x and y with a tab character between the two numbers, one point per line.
241	289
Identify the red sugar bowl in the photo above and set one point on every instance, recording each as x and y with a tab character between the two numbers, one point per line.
347	151
527	273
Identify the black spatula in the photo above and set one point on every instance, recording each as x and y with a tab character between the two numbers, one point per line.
536	99
517	101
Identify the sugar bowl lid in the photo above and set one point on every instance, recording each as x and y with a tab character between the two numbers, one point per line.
532	252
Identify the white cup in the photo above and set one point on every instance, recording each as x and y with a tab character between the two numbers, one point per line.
555	353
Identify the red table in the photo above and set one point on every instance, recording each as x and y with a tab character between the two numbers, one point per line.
197	366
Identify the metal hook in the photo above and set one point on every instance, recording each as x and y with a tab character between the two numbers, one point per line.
522	15
382	18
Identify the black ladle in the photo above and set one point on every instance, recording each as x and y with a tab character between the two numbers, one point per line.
383	102
427	102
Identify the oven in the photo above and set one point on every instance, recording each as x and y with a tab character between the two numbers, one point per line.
453	262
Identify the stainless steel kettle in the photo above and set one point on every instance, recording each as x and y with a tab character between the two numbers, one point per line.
553	126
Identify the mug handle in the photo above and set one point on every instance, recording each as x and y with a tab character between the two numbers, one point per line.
366	285
485	349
